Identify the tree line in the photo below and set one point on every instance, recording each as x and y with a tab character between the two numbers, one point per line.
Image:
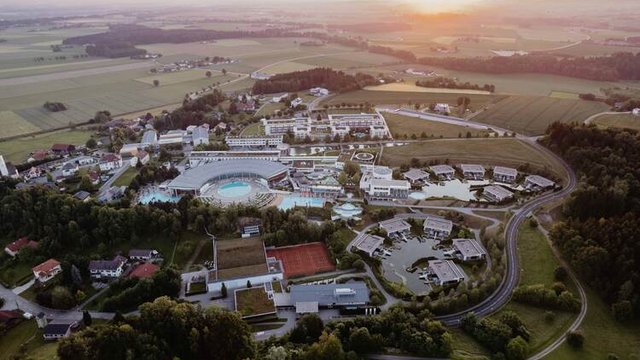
330	79
449	83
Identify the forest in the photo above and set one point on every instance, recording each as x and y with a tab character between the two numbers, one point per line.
599	237
336	81
620	66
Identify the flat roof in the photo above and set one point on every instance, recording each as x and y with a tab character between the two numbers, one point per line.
416	174
505	171
306	307
540	181
354	293
442	169
472	168
390	183
446	270
468	247
369	243
498	191
438	223
195	178
394	225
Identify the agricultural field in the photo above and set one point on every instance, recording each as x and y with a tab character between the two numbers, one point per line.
532	115
185	76
18	150
621	121
491	151
401	126
404	87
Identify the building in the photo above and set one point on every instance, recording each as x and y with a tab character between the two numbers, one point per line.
248	106
537	182
416	176
318	91
472	172
10	318
443	172
107	269
7	169
296	102
14	248
469	249
504	174
149	138
82	195
395	226
264	141
373	125
142	254
279	98
110	162
636	111
47	270
368	243
142	157
62	149
172	137
497	193
378	183
445	272
200	135
437	227
58	330
144	271
329	295
249	226
69	169
442	108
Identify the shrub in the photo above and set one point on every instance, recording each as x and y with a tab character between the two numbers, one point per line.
575	339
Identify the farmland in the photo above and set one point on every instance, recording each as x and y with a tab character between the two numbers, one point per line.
623	121
532	115
18	150
492	151
401	126
403	87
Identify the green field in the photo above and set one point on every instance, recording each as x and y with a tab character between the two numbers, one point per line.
126	177
400	125
253	129
185	76
533	114
492	151
253	301
27	333
622	121
18	150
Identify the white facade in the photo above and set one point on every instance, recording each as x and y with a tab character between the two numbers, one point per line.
504	174
442	108
242	282
636	111
337	124
110	162
254	141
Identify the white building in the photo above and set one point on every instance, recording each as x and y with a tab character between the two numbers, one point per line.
368	243
437	227
69	169
254	141
47	270
150	138
444	172
442	108
395	226
497	193
7	169
472	172
504	174
469	249
279	98
537	182
172	137
337	124
200	135
107	269
416	176
110	162
295	102
378	183
318	91
636	111
445	272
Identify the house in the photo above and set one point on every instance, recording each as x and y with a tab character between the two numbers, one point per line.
142	157
34	172
94	177
142	254
445	272
504	174
7	169
442	108
330	295
47	270
62	149
58	330
295	102
636	111
144	271
395	226
200	135
472	172
221	126
129	149
369	243
69	169
318	91
443	172
82	195
246	106
537	183
249	226
112	194
14	248
107	269
469	249
110	161
416	176
38	155
437	227
279	98
497	193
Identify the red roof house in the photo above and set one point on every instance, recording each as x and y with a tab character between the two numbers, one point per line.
47	270
14	248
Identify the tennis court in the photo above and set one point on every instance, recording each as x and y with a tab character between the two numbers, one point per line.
303	260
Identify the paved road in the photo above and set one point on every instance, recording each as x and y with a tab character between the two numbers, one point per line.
590	119
116	175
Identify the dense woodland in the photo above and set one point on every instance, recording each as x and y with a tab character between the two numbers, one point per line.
600	235
620	66
336	81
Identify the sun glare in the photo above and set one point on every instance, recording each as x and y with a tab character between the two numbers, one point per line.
441	5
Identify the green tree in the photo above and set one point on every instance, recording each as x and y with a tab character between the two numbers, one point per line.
328	347
156	82
223	290
517	349
91	143
208	74
575	339
86	318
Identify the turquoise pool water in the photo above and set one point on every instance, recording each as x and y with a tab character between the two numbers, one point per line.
157	197
290	202
234	189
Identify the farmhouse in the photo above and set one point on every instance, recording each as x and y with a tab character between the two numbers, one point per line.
444	172
368	243
497	193
437	227
329	295
504	174
107	269
537	182
58	330
469	249
296	102
472	172
109	162
142	254
395	226
265	141
416	176
318	91
47	270
445	272
14	248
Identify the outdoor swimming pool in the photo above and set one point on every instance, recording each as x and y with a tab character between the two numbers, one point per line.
155	196
234	189
290	202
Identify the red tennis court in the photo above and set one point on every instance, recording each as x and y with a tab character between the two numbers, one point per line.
303	260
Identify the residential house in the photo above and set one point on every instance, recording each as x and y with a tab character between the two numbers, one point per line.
144	271
94	177
107	269
395	226
442	108
318	91
504	174
437	227
82	195
497	193
368	243
142	254
62	149
38	155
58	330
537	183
110	162
246	106
69	169
416	176
295	102
142	157
34	172
469	249
444	172
472	172
47	270
445	272
14	248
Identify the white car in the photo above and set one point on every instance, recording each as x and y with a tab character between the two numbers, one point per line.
27	316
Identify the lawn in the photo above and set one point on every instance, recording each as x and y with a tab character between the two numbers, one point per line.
18	150
126	177
493	151
532	115
623	121
400	125
253	129
27	333
16	274
253	301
